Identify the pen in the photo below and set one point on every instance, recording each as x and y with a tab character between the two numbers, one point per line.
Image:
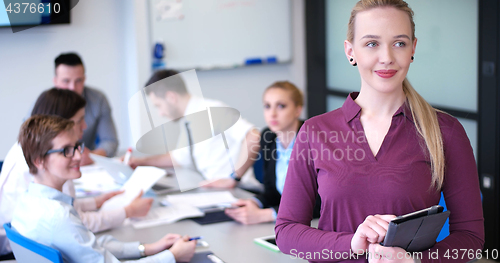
195	238
126	159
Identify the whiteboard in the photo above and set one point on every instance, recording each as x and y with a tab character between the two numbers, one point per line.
208	34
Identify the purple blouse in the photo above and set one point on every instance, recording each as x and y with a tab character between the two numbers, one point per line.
332	157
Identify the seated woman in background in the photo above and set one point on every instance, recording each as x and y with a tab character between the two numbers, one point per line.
15	176
283	104
46	215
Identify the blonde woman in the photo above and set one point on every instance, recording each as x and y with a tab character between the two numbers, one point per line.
385	152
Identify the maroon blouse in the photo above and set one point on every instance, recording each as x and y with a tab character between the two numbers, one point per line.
332	157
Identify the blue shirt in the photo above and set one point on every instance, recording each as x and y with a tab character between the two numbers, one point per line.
100	125
282	163
47	216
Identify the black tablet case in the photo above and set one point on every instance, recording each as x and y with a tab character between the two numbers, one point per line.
212	218
416	234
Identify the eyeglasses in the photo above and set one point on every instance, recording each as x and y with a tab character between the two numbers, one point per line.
69	151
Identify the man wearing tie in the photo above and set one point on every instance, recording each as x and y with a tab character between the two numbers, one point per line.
209	157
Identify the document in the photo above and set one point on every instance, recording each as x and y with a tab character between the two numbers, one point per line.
166	215
143	178
202	200
115	168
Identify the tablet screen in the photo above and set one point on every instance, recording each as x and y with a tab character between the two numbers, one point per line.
417	214
271	240
268	242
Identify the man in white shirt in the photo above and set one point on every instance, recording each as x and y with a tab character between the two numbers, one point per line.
209	157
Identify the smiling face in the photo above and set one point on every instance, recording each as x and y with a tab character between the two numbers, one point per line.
58	168
382	48
280	112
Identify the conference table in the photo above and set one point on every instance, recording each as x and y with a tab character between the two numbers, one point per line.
230	241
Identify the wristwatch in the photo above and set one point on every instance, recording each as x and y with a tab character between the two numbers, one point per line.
142	250
235	177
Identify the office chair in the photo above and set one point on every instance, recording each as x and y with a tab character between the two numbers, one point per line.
445	231
27	250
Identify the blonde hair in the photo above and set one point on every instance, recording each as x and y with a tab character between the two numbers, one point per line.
424	115
295	93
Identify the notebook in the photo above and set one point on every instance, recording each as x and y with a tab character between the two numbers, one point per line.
166	215
212	218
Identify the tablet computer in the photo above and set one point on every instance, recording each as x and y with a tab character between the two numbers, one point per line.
424	212
268	242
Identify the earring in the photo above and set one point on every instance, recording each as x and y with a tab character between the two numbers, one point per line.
412	58
351	59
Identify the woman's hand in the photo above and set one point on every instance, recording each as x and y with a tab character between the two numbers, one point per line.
249	213
380	254
139	206
371	231
99	200
164	243
183	249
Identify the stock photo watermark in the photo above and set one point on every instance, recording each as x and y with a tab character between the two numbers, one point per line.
333	145
455	254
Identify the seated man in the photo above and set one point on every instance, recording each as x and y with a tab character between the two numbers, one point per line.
210	158
46	215
70	74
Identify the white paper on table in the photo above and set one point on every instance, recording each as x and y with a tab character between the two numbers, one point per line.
202	200
143	178
166	215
